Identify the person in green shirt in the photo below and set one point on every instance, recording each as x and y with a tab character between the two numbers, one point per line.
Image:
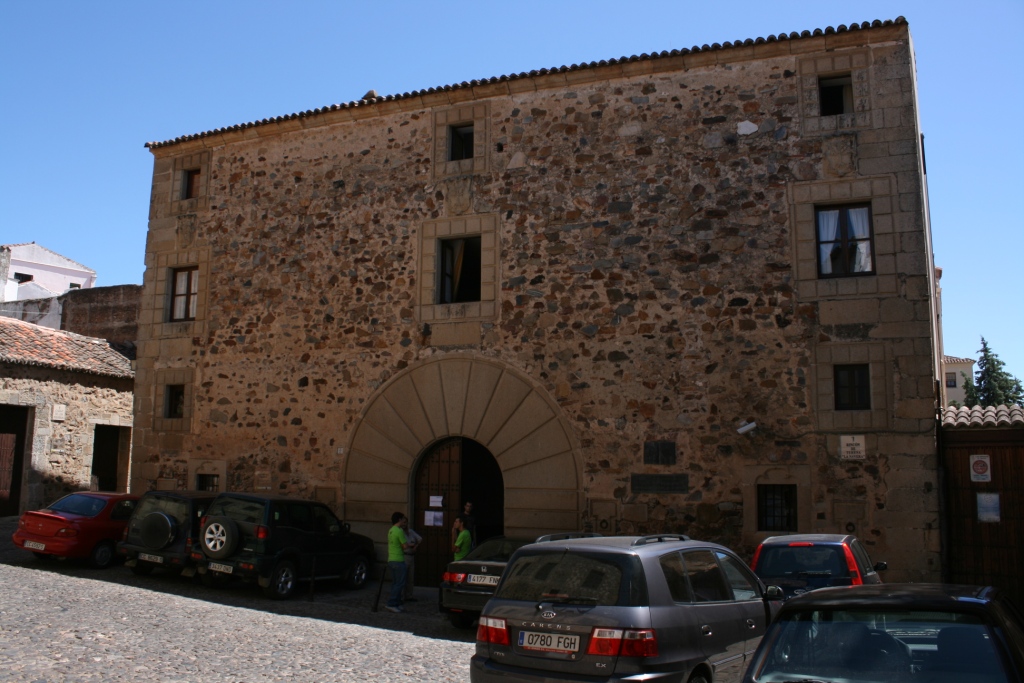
397	545
462	541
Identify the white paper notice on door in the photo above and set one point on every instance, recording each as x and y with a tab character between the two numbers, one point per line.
437	501
431	518
988	507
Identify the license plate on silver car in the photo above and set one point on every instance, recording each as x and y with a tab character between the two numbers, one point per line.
151	558
224	568
483	580
33	545
548	642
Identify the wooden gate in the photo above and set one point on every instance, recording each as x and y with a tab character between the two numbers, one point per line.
986	553
8	443
438	480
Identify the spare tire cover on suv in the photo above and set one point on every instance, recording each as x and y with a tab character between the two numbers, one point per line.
158	530
219	537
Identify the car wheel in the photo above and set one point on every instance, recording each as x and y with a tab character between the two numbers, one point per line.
282	581
102	555
142	568
698	678
158	529
462	619
360	572
219	537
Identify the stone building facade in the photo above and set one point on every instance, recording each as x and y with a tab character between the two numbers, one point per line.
683	292
65	415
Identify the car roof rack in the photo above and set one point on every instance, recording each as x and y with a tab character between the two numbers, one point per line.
565	536
661	538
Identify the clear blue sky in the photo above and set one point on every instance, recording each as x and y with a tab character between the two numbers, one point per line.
83	85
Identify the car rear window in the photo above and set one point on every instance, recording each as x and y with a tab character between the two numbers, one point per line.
810	560
575	578
495	550
239	509
175	507
77	504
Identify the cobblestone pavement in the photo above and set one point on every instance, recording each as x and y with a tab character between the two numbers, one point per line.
62	621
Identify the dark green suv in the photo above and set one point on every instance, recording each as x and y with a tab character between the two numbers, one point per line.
163	530
278	542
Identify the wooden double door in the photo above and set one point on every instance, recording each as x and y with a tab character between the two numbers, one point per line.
450	473
13	426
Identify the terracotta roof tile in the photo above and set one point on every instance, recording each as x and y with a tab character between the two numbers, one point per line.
998	416
842	28
954	359
27	344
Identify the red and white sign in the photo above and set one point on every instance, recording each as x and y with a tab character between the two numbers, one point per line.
981	468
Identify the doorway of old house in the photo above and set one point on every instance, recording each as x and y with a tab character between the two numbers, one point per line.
107	444
450	473
13	428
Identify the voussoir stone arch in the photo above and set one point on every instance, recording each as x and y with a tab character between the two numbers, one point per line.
480	399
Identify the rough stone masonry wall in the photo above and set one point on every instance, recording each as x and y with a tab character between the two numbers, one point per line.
61	449
648	282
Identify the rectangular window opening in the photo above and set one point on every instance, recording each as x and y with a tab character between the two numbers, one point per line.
951	380
22	278
190	183
459	270
776	507
174	401
835	95
845	240
852	386
460	142
208	482
74	285
659	452
184	293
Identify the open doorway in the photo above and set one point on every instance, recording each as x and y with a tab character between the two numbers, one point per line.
449	473
13	429
109	451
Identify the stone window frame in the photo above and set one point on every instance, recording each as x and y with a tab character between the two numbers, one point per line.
475	113
853	63
880	192
762	512
217	468
163	296
874	354
431	234
774	474
200	161
164	379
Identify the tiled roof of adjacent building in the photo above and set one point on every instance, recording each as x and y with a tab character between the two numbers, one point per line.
998	416
842	28
27	344
954	359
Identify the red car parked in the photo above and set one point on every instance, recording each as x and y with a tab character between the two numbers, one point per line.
80	525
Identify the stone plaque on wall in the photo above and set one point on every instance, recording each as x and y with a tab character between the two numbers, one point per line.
262	481
60	412
851	447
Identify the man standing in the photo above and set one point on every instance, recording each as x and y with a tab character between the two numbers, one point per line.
397	544
410	563
469	521
461	540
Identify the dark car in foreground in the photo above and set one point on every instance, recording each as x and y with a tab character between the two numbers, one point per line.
799	563
162	530
893	633
279	542
79	525
622	608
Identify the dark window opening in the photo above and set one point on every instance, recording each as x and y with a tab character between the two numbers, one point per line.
184	293
174	401
190	183
845	241
460	142
22	278
660	453
459	270
951	380
776	507
852	387
835	95
208	482
74	285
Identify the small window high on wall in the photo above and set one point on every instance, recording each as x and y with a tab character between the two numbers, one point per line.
460	142
459	270
835	95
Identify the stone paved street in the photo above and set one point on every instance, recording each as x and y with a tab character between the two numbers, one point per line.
62	621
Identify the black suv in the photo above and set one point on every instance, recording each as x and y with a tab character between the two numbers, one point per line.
162	530
278	542
653	608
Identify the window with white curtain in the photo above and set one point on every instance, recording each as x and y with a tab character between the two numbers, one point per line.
845	240
184	293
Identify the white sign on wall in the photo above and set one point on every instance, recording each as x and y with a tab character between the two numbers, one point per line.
851	447
60	412
981	468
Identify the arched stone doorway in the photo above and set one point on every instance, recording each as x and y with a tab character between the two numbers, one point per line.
450	473
479	399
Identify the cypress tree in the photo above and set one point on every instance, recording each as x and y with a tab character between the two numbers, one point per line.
992	385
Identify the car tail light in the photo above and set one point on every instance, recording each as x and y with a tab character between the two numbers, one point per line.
851	564
757	556
66	532
615	642
801	544
493	631
124	534
262	533
202	522
453	577
196	556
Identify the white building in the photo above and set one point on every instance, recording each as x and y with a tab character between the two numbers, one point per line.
953	371
30	271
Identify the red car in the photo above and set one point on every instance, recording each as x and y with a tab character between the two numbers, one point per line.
80	525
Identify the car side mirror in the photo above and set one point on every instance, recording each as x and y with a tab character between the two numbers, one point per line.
345	527
774	593
881	566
